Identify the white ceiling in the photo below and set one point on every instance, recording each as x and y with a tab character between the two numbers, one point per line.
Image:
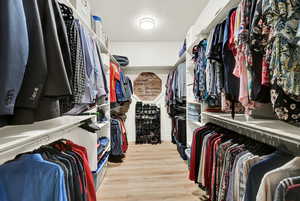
174	17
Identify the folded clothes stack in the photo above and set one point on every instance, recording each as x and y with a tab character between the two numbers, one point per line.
194	111
123	61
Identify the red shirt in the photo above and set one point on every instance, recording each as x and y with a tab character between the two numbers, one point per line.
231	43
91	191
114	76
124	137
192	175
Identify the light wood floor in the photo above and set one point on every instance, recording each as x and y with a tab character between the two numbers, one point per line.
149	173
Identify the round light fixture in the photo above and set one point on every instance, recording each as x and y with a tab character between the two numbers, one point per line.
146	23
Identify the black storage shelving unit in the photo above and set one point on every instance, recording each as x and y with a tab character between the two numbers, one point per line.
147	124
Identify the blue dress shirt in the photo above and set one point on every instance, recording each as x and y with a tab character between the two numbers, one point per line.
31	178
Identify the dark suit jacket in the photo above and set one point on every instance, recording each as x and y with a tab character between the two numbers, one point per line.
57	83
13	52
49	65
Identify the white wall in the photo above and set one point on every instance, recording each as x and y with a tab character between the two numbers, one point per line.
214	13
148	53
165	120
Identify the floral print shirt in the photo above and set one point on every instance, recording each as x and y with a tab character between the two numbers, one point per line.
260	36
285	58
244	56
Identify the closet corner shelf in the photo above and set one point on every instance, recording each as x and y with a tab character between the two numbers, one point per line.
272	132
181	59
19	139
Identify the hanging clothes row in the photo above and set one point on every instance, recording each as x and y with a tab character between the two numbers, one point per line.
121	88
176	106
230	167
250	60
179	135
49	62
119	142
175	87
59	171
121	91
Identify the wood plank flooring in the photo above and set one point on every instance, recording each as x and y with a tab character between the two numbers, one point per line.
149	173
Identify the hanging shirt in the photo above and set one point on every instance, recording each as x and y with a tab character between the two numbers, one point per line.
90	188
181	83
120	87
114	76
99	73
285	63
282	190
272	179
31	173
102	69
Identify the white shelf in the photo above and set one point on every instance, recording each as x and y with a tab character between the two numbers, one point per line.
104	105
91	110
101	125
196	123
273	132
19	139
194	102
181	59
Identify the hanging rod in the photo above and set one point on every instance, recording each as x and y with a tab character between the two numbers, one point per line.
19	139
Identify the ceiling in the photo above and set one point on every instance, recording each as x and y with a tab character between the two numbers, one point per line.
174	17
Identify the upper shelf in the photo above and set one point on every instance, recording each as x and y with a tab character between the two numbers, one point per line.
19	139
103	47
273	132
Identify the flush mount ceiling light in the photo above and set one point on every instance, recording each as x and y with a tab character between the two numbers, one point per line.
146	23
